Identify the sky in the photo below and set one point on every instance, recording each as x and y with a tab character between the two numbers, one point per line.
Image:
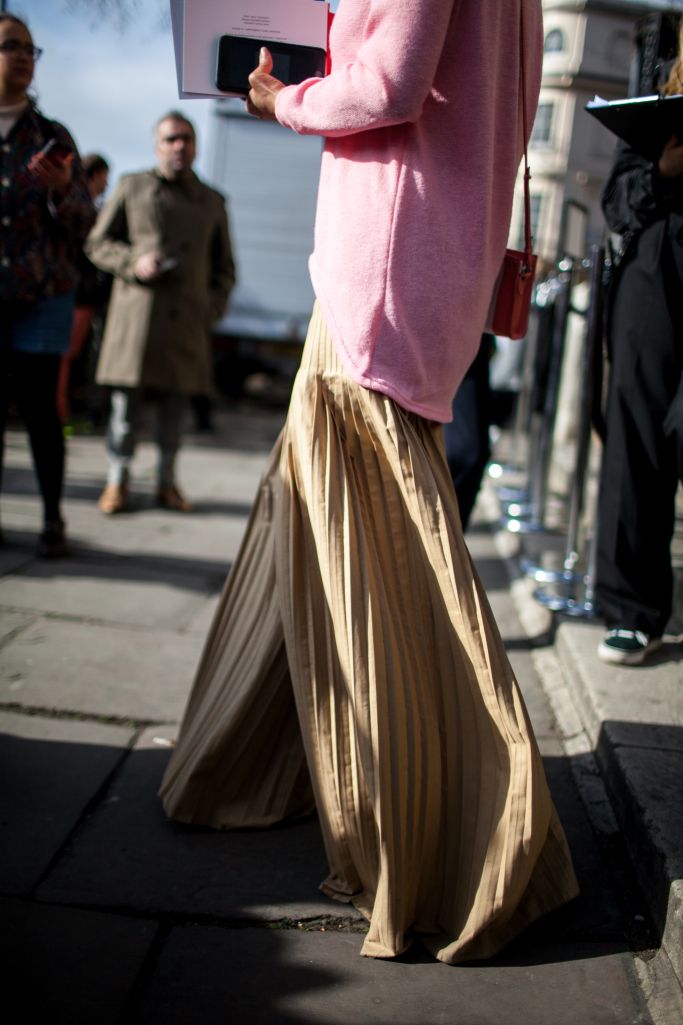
106	85
109	86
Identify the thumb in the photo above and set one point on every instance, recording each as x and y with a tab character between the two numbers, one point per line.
265	61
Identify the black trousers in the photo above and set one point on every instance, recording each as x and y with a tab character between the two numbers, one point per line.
30	380
643	454
467	436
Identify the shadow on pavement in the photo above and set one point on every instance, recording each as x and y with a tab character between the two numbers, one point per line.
116	915
88	561
20	482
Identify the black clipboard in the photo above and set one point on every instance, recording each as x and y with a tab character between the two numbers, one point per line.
646	123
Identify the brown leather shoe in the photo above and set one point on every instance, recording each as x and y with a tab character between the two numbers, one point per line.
113	499
171	498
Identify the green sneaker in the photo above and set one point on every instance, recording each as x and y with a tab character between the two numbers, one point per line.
627	647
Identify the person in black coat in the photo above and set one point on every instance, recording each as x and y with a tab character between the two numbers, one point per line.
643	454
466	437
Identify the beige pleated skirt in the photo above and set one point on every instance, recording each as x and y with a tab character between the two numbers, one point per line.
354	667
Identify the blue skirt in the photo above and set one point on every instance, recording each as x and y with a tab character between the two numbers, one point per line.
44	327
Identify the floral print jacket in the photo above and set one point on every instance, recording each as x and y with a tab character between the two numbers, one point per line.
39	239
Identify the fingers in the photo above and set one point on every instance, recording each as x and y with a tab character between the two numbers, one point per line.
265	62
50	172
263	88
265	66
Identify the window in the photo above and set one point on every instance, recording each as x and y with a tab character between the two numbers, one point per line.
554	41
541	132
535	204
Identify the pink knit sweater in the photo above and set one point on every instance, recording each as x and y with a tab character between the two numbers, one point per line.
421	116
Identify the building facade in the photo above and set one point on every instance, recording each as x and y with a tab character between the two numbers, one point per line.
589	49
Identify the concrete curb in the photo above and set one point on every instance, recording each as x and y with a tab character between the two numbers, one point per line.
623	729
642	766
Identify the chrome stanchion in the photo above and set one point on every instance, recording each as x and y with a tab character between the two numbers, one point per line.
526	517
516	463
515	501
569	582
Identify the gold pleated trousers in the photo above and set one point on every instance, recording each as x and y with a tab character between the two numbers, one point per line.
354	667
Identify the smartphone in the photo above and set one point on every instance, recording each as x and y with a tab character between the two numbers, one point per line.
55	150
239	55
167	264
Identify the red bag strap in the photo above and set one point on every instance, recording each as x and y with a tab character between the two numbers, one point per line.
527	172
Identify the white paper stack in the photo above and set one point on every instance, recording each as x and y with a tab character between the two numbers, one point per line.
199	24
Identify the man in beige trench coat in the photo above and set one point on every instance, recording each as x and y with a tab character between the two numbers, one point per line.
164	236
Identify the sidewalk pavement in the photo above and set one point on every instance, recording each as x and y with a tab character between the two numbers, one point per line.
114	915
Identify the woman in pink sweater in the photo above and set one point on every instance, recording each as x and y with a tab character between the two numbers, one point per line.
354	664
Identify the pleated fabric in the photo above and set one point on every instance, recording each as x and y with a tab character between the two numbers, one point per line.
354	666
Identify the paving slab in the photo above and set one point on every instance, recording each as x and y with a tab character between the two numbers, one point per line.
540	713
595	914
648	735
50	771
223	473
201	622
650	808
616	693
129	855
277	977
12	623
69	967
225	465
13	557
120	590
99	670
201	544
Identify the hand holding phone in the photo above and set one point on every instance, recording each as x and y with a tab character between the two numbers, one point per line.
55	150
52	165
150	266
291	63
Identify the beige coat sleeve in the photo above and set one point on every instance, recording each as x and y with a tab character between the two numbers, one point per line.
108	245
222	269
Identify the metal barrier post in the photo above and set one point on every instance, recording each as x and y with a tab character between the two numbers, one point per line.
564	598
526	518
520	430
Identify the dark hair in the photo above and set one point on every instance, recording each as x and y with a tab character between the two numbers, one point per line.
93	163
6	16
175	115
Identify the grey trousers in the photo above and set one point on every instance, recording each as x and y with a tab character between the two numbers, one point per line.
123	430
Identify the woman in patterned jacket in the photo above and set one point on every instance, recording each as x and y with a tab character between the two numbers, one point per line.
45	214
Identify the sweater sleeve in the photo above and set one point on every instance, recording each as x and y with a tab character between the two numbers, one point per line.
388	81
635	194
